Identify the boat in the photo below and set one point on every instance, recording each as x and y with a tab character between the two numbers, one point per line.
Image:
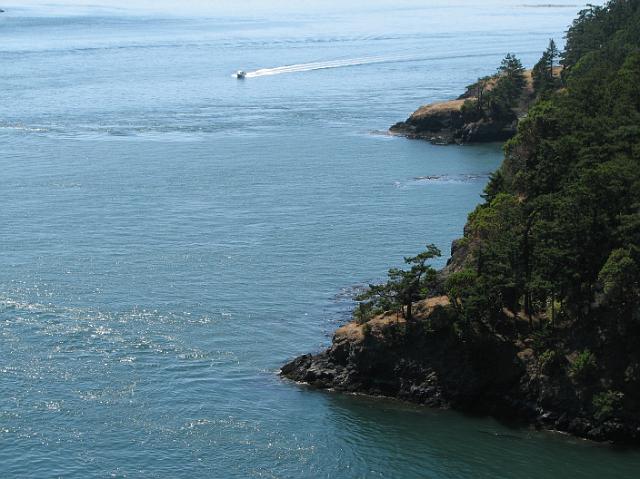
241	74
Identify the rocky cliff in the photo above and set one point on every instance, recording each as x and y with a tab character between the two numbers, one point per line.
443	123
430	360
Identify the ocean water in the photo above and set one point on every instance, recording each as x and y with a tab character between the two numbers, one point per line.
170	236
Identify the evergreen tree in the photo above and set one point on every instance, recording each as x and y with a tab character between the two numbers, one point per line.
507	88
544	79
402	289
559	232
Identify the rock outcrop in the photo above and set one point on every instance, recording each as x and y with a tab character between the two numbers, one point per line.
443	123
428	361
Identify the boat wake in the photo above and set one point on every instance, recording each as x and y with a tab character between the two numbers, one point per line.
305	67
351	62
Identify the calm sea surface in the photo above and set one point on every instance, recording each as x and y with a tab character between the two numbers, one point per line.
170	236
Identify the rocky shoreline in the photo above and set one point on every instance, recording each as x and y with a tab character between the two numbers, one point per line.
533	350
445	123
425	361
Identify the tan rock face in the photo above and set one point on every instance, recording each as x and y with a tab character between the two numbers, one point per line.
352	332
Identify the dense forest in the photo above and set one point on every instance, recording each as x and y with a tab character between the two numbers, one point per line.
552	255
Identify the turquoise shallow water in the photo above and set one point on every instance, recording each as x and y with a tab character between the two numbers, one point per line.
170	236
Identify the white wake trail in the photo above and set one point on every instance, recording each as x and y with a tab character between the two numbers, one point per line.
305	67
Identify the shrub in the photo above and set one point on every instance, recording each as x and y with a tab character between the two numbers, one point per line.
542	339
607	404
584	366
363	313
471	111
548	360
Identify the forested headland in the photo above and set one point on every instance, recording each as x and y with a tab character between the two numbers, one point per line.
537	315
490	108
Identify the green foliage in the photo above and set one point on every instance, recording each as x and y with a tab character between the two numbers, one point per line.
548	361
619	277
471	111
583	367
495	97
512	70
543	339
496	228
459	286
478	90
607	404
544	80
494	186
403	287
597	25
557	238
363	313
507	90
466	295
559	233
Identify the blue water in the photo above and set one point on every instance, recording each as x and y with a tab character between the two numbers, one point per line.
170	236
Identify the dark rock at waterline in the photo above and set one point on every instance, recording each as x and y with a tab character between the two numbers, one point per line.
443	123
427	361
392	357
